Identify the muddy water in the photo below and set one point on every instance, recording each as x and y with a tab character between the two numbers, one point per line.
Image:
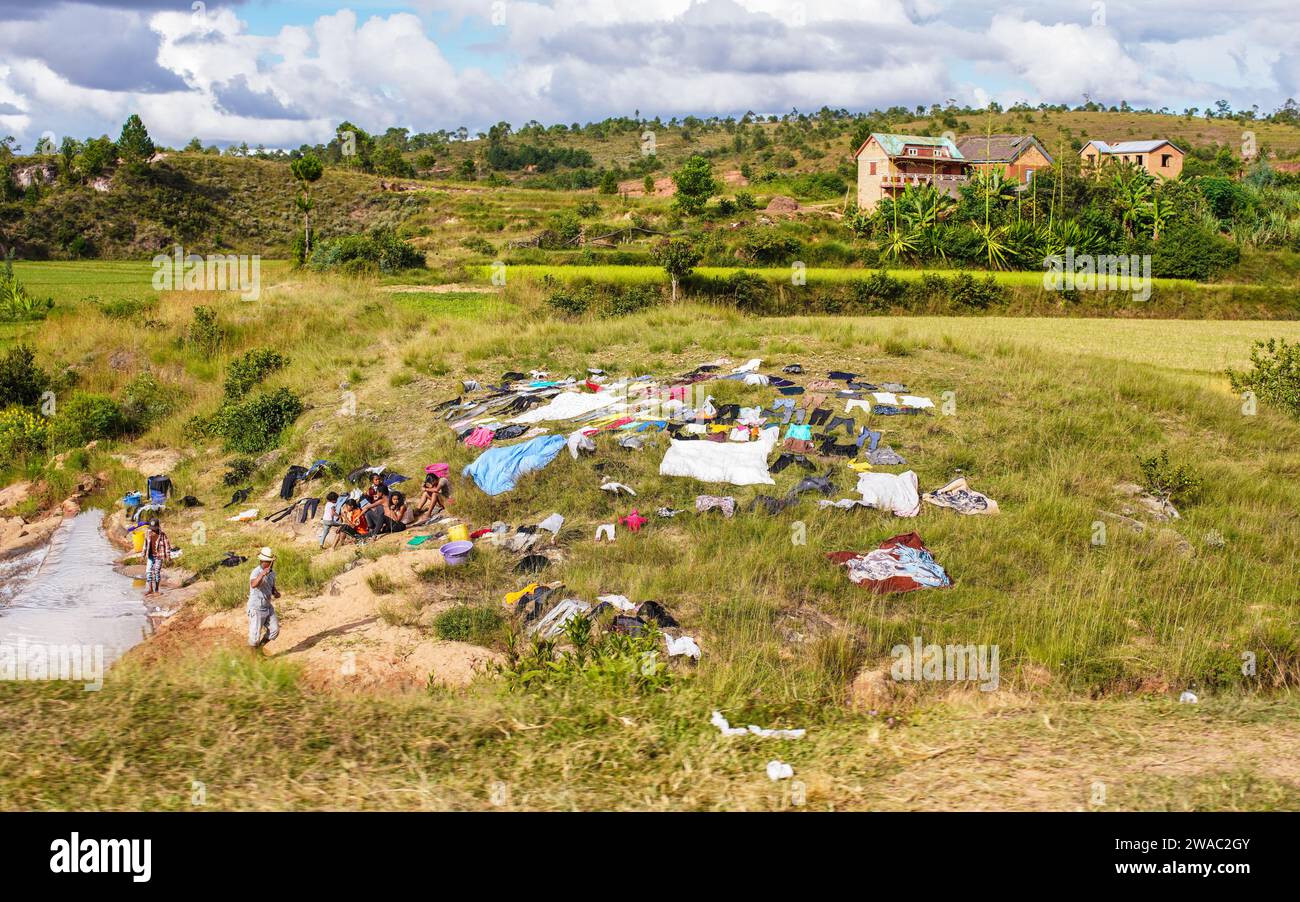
67	593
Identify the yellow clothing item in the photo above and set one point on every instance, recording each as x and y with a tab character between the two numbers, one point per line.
512	598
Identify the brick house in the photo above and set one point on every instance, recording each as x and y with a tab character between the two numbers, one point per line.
1159	157
889	163
1018	156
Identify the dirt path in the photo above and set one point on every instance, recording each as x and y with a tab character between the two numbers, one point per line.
355	632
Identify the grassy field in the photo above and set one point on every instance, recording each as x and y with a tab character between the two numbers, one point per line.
637	275
1096	639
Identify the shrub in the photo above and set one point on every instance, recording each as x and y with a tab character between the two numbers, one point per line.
479	245
745	201
254	425
145	401
204	333
967	291
1274	375
630	299
1188	251
768	247
380	250
250	369
126	308
238	471
607	662
748	290
570	301
463	623
87	417
22	432
589	208
21	381
878	291
1167	480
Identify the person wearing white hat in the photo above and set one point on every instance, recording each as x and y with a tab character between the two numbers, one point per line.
261	613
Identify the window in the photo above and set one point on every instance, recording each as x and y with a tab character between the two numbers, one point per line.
1139	159
1029	176
1166	160
911	151
873	169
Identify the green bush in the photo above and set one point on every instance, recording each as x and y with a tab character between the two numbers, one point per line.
1168	480
1274	374
768	247
467	624
380	250
204	333
126	308
570	301
238	471
87	417
1188	251
479	245
747	290
21	381
967	291
250	369
254	425
145	401
878	291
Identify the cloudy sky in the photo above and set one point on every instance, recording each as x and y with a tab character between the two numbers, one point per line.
285	72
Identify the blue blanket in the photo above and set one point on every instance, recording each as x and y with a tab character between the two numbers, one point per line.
496	469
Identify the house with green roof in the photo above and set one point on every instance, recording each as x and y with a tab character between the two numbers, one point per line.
887	164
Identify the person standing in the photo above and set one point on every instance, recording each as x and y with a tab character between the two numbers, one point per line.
157	552
261	590
332	517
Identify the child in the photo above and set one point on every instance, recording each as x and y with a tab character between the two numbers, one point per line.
330	518
436	491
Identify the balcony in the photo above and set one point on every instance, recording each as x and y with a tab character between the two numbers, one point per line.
922	178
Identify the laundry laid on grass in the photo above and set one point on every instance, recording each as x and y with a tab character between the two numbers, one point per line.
892	492
959	496
728	730
900	564
497	470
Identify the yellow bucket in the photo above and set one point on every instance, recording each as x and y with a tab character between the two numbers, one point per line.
137	539
458	533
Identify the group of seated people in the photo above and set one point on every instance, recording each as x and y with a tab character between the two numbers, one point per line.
380	510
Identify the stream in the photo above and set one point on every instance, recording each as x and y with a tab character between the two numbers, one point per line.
66	593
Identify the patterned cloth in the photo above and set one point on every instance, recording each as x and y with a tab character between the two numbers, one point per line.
708	502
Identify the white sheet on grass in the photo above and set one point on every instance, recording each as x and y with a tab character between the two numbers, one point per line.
569	404
887	491
738	463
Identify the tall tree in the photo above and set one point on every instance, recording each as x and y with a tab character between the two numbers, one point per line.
306	171
134	144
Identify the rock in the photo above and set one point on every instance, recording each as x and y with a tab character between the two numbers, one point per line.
782	204
15	495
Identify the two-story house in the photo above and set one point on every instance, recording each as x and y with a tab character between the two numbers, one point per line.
889	163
